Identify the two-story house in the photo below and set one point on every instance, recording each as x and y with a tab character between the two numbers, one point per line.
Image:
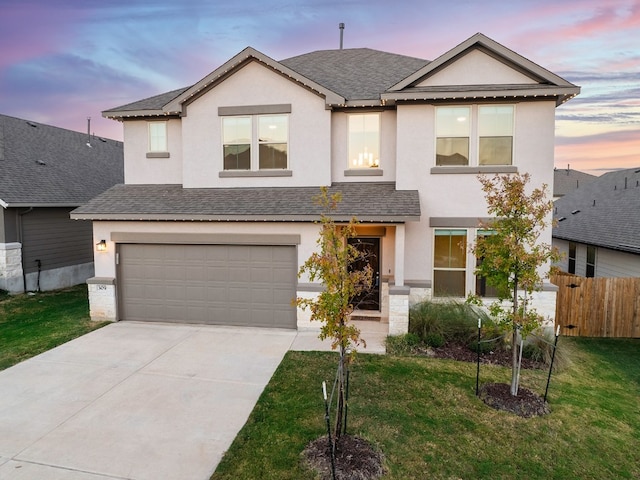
216	214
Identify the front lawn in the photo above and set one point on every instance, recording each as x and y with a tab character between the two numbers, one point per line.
424	415
32	324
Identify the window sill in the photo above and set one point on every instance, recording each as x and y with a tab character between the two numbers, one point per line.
254	173
363	172
476	169
158	155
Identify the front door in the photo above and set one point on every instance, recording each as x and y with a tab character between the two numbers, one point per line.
370	247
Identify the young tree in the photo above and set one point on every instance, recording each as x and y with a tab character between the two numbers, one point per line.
512	254
331	264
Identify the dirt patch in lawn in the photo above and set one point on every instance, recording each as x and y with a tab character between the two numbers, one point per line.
355	459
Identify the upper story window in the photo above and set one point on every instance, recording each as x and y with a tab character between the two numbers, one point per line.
452	135
157	137
474	135
364	140
255	142
495	134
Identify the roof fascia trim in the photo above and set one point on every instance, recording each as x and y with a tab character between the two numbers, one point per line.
238	218
562	93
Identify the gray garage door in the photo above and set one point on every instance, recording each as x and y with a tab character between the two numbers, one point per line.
243	285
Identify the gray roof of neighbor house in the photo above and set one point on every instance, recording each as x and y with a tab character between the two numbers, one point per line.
369	202
567	180
604	213
43	165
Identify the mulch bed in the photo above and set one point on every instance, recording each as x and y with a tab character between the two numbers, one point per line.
356	459
498	395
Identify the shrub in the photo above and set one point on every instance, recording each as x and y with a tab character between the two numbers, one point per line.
401	344
437	323
538	346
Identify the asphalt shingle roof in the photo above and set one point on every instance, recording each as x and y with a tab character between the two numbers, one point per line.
172	202
46	165
606	212
355	73
152	103
566	180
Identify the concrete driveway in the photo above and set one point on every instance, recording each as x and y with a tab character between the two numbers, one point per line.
134	401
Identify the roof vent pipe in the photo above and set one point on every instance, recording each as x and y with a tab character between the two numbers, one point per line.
341	27
88	131
625	183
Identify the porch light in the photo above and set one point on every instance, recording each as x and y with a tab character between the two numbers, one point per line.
101	246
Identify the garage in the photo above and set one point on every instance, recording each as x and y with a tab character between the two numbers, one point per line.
238	285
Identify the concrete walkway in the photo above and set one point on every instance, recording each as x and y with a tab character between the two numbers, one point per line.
140	401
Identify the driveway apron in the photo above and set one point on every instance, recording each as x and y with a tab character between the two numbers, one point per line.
134	401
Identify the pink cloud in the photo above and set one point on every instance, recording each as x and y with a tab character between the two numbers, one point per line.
608	150
32	31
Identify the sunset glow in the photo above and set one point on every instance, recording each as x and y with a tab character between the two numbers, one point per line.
64	61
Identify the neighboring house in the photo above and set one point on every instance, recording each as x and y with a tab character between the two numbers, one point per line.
45	173
566	180
216	214
598	227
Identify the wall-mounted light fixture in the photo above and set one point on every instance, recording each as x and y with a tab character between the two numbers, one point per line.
101	246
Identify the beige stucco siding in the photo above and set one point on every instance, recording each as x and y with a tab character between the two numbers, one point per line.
252	85
459	194
476	68
138	169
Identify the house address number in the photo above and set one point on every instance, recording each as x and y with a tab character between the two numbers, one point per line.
102	287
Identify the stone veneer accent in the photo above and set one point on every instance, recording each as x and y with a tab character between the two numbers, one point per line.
398	310
102	299
11	267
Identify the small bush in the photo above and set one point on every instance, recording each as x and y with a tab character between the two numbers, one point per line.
401	344
538	347
437	323
434	340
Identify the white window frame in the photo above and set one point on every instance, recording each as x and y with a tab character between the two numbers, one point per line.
474	135
151	147
255	142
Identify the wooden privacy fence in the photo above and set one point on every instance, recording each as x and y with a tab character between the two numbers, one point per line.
597	307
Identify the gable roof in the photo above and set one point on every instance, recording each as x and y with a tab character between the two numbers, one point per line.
266	204
43	165
365	77
566	180
603	213
548	83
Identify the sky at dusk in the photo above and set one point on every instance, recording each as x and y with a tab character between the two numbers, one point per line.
62	61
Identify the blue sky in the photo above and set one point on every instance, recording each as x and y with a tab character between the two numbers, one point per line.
62	61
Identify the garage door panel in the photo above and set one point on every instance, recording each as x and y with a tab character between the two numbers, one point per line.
215	284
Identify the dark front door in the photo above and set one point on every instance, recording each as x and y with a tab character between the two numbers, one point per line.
370	247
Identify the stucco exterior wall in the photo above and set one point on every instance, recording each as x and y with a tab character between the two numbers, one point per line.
459	194
477	68
254	84
138	169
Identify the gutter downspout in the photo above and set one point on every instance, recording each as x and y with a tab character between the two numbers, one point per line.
20	239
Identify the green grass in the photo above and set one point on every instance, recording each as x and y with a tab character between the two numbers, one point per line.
423	414
32	324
